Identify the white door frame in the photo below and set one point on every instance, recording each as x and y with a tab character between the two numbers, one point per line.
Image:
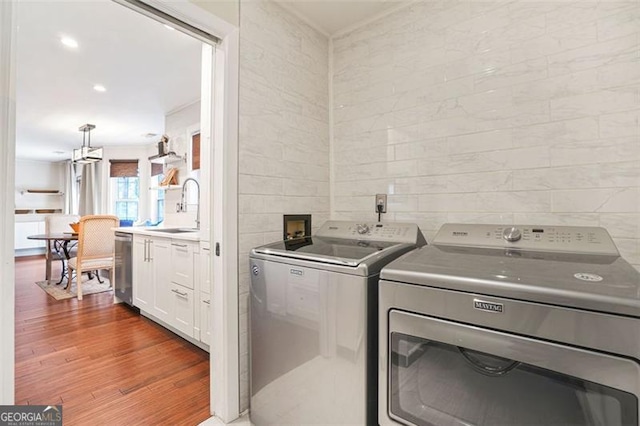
224	357
7	198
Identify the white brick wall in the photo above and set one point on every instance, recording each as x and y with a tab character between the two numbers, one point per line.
284	135
506	112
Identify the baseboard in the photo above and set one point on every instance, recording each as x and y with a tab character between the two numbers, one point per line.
179	333
29	252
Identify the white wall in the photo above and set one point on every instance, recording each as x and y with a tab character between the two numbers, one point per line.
227	10
495	112
31	174
284	135
8	31
179	126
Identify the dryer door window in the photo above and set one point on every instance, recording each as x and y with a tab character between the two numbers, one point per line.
458	382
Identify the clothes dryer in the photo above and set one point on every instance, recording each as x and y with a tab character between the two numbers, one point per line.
510	325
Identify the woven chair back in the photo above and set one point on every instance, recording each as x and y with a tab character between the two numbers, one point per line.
96	238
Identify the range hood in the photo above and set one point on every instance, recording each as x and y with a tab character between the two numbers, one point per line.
169	157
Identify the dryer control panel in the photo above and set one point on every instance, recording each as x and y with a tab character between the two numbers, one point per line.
570	239
372	231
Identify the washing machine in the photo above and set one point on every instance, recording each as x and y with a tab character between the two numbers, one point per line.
510	325
313	323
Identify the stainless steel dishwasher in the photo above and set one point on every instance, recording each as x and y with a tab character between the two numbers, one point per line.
123	275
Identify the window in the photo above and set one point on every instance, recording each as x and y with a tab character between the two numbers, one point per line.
127	194
125	186
157	195
159	200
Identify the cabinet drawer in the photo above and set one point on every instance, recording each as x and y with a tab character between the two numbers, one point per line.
182	255
183	309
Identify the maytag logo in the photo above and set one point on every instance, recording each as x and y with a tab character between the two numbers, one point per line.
296	272
483	305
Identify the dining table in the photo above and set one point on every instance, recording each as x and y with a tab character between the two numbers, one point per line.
57	242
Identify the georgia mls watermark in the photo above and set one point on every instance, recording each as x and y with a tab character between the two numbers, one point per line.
30	415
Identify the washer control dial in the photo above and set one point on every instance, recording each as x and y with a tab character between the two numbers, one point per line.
363	228
511	234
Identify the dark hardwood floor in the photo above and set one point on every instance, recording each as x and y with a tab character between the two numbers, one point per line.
104	363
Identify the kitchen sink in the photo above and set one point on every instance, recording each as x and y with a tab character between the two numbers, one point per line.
173	230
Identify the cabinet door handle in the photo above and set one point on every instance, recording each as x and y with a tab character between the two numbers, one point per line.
181	247
208	302
150	258
146	251
205	249
179	293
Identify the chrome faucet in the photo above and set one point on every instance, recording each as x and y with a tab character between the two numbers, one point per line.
183	204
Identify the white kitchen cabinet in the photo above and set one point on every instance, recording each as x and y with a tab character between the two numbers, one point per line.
142	271
23	230
167	276
182	309
162	271
182	259
205	268
151	275
204	305
205	318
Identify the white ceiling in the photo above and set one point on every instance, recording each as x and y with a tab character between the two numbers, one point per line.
334	16
147	69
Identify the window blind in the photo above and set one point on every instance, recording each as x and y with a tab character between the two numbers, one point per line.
123	168
156	169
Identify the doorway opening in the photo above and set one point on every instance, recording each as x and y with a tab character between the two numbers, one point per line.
220	94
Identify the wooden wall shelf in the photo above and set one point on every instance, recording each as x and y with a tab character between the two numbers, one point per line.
41	191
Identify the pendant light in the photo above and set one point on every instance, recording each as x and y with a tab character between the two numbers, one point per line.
86	154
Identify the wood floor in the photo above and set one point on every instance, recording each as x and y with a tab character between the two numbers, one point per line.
104	363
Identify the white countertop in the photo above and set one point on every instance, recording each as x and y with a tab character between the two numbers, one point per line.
157	232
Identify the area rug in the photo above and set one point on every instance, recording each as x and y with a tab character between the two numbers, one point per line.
88	287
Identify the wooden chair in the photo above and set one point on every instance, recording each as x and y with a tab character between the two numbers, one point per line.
58	224
96	246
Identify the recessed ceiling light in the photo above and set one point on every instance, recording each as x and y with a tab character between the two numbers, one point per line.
69	42
99	88
150	135
169	27
58	152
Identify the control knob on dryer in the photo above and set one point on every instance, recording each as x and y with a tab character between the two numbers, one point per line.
511	234
363	228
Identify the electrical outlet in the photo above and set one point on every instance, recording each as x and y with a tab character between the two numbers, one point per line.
381	199
178	207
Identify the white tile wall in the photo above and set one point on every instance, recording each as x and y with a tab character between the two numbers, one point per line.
284	135
462	111
506	111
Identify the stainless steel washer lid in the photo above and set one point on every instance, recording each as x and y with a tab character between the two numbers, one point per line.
602	283
336	251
